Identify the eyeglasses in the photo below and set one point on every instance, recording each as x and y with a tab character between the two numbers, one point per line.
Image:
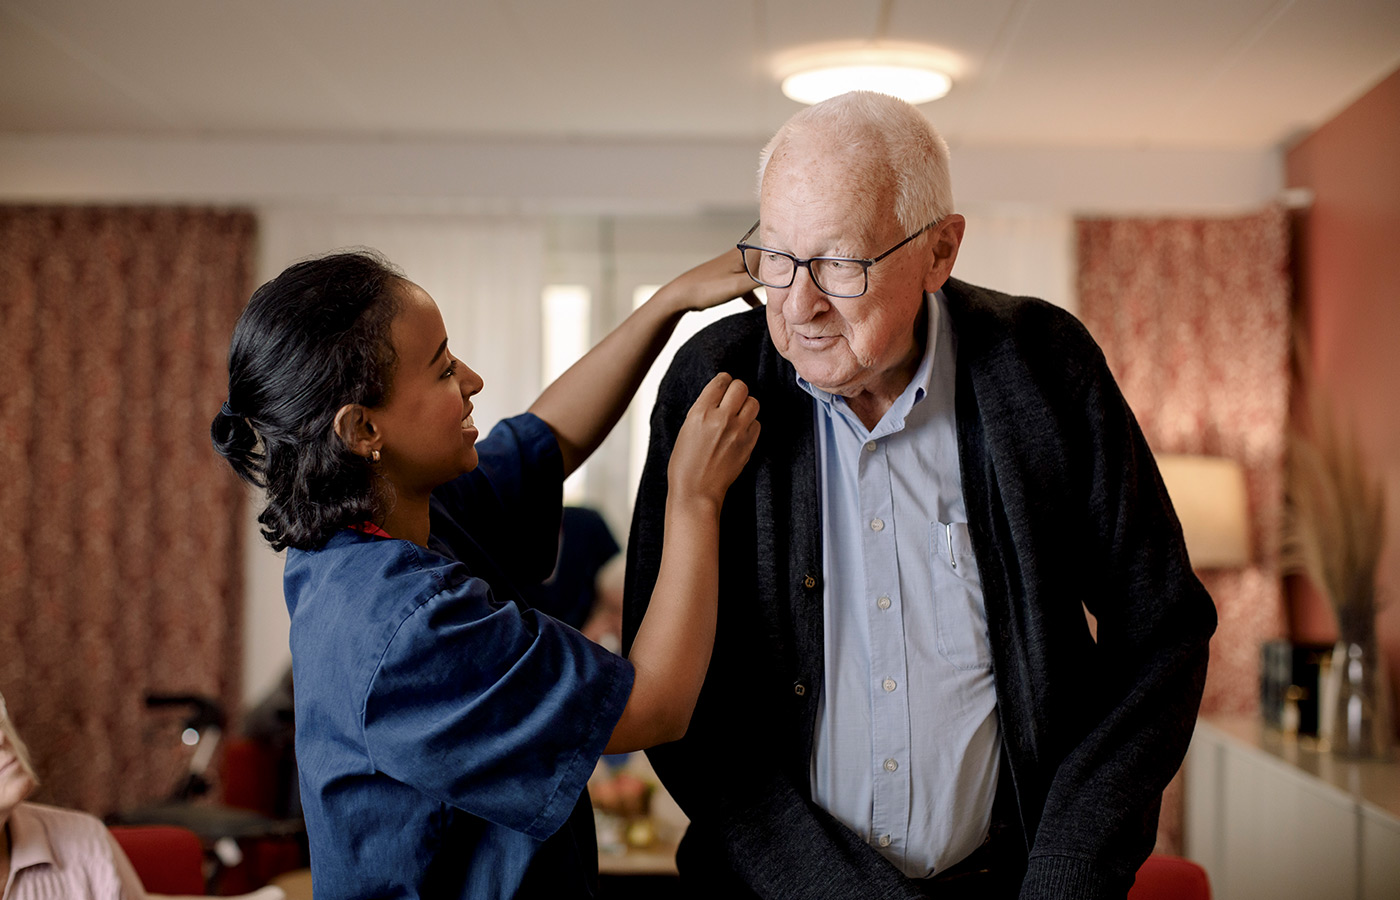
835	276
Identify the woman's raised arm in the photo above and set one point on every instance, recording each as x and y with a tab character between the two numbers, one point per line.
584	403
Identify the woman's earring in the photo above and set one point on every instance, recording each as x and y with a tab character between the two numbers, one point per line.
374	456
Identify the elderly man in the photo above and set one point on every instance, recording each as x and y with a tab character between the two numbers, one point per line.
905	699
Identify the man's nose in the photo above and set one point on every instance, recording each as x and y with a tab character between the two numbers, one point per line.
805	301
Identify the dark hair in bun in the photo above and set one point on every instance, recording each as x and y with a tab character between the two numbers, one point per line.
309	341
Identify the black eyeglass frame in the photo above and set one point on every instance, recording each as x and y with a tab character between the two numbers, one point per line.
797	263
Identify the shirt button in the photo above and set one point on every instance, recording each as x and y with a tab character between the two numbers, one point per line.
877	524
889	684
891	765
869	446
883	603
884	840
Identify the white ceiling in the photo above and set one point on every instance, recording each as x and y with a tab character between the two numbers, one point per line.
1046	73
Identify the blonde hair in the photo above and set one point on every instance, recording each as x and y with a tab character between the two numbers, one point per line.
12	738
892	135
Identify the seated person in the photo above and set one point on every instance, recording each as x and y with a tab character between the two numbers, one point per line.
46	851
604	624
50	852
573	593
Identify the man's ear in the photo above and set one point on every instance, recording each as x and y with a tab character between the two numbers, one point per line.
947	238
356	430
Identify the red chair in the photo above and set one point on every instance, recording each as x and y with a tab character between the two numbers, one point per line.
168	859
1165	877
249	775
249	779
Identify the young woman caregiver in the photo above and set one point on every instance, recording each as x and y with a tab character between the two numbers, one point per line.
444	730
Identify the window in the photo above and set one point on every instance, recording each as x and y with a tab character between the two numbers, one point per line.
566	312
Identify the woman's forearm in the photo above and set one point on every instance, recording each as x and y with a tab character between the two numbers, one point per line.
672	649
671	652
584	403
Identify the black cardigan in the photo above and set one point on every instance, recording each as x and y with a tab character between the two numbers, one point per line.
1065	506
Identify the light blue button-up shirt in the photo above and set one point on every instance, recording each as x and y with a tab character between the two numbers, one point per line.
907	741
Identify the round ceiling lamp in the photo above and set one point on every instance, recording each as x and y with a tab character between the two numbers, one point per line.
913	73
905	82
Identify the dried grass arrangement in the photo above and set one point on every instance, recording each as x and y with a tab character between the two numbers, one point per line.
1333	535
1335	518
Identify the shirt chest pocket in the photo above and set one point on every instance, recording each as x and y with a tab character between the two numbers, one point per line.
959	612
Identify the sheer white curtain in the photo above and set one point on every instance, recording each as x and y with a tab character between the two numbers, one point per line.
485	274
1027	252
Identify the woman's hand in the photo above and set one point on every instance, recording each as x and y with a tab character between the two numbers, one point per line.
711	283
583	405
714	443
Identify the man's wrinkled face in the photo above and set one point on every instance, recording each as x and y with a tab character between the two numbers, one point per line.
820	203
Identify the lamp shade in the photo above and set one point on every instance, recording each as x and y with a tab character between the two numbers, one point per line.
1208	493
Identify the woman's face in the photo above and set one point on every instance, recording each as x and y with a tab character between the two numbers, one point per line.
16	781
426	430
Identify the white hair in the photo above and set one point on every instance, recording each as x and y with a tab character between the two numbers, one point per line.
12	738
893	135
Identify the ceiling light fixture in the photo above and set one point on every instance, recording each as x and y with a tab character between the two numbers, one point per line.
910	72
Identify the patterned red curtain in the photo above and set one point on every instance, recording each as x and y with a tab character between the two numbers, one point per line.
1193	316
120	554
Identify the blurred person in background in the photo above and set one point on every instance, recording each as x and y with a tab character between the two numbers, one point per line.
576	592
47	852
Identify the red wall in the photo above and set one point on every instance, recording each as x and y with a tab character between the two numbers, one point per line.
1349	291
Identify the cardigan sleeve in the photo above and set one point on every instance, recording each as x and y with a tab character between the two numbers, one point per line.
1155	620
1070	510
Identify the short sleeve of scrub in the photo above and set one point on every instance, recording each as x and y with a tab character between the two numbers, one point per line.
496	711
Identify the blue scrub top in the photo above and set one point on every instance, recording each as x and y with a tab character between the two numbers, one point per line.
445	732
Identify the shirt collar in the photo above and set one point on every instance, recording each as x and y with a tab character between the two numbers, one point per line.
29	841
915	391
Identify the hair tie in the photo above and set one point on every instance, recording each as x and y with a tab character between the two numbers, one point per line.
228	411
